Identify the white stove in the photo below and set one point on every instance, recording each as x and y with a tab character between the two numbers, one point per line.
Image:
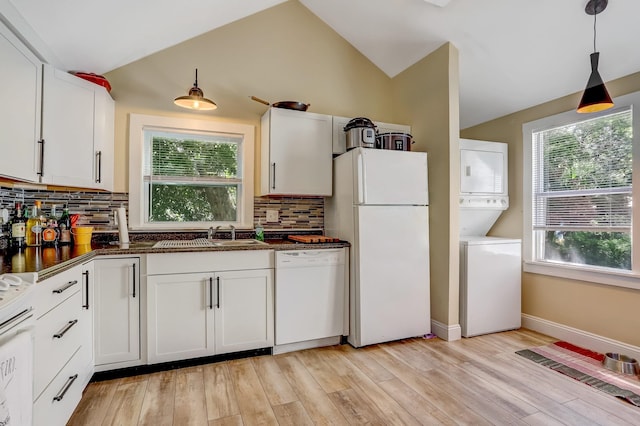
16	347
16	294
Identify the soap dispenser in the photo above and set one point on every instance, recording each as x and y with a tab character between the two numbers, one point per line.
259	232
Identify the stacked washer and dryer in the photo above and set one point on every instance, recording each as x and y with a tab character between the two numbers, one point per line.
490	267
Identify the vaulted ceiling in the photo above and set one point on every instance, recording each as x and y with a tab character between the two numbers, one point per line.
513	53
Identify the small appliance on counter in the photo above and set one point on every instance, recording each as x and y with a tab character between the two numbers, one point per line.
395	141
361	133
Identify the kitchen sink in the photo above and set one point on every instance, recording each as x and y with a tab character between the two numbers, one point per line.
204	242
196	243
243	242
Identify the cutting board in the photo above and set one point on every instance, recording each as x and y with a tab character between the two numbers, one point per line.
312	239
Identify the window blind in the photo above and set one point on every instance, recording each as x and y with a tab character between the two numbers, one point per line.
212	159
582	175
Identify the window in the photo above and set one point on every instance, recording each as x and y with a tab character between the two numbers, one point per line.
189	174
578	185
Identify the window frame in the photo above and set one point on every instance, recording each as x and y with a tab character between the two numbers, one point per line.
615	277
137	125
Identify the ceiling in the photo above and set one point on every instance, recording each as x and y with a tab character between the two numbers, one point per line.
513	53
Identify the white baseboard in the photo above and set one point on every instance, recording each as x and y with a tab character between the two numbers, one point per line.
446	332
578	337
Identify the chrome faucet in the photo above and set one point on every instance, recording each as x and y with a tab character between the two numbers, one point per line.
212	232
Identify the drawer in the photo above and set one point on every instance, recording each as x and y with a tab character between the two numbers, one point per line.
176	263
51	352
58	400
55	290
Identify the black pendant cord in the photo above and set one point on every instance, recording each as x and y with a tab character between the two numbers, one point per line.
595	17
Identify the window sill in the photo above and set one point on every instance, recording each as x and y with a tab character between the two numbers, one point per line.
612	278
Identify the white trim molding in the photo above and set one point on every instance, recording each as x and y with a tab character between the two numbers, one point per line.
579	337
446	332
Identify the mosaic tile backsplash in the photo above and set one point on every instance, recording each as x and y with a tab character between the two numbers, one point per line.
95	208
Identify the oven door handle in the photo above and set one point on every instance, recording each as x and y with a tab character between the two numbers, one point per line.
15	320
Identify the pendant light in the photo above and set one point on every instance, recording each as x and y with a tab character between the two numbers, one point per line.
595	97
195	99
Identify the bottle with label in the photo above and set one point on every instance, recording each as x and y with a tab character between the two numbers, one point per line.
34	226
259	232
18	228
50	228
64	227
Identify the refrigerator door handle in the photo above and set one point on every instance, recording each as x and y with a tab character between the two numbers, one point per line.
362	199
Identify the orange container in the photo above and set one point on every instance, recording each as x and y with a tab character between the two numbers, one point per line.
82	235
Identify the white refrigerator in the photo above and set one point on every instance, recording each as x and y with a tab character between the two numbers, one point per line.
380	205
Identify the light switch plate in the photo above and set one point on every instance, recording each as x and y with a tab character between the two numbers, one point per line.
272	215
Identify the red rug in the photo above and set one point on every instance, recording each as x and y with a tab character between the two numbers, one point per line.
586	366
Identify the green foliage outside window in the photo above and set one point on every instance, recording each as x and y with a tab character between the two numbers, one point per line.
193	180
592	156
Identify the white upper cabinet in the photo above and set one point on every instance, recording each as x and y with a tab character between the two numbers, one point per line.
77	130
296	153
55	128
103	139
20	94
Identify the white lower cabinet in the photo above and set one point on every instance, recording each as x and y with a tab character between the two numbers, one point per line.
244	310
205	313
62	347
179	317
116	318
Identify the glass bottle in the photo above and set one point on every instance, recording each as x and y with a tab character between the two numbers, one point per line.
18	228
64	226
34	226
50	228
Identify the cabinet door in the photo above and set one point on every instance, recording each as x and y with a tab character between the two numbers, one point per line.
103	134
20	92
243	310
179	316
117	310
300	153
67	129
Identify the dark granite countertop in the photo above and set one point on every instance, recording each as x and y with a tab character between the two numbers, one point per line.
48	261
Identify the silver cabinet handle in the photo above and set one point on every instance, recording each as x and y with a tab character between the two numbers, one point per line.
64	330
65	388
134	280
15	320
210	292
65	287
41	171
99	163
273	185
218	292
86	287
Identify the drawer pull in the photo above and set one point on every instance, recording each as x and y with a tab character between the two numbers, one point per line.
65	388
65	287
66	328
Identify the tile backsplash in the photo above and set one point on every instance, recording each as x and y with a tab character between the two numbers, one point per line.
95	208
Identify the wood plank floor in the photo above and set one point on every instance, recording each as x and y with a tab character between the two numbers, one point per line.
477	381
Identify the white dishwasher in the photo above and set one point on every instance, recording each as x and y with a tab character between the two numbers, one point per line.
310	289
